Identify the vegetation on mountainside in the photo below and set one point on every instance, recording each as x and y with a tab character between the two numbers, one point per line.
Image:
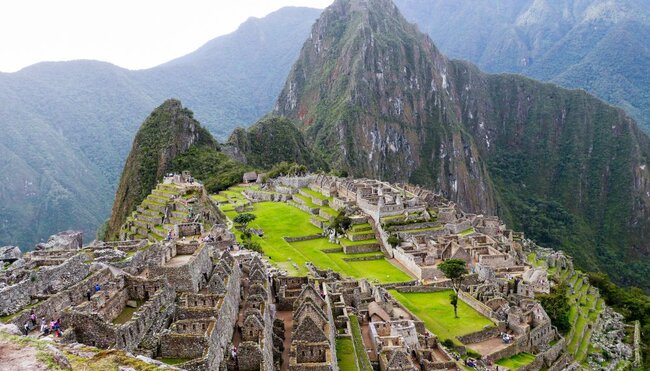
270	141
212	167
286	169
556	305
632	303
572	44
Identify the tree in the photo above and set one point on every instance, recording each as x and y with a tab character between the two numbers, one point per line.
556	305
394	240
455	270
341	223
244	219
453	299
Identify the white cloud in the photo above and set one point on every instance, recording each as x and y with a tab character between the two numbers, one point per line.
130	33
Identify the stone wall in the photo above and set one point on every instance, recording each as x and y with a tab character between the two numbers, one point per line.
190	276
43	281
475	304
358	249
478	336
364	258
303	238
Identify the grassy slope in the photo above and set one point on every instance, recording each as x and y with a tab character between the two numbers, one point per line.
278	220
438	315
516	361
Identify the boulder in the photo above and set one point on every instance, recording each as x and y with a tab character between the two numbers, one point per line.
59	358
68	240
10	253
10	329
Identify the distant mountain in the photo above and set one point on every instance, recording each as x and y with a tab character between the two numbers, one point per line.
374	97
67	126
270	141
597	45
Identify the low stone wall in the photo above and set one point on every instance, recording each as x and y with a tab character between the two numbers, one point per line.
364	258
339	249
302	238
478	336
517	346
476	305
318	223
361	236
551	355
305	208
406	227
421	288
358	249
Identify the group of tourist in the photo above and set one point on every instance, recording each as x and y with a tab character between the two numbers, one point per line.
46	328
506	338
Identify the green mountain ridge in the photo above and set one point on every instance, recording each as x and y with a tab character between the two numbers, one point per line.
598	45
374	97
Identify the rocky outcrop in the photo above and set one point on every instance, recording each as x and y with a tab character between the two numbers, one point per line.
10	253
374	97
67	240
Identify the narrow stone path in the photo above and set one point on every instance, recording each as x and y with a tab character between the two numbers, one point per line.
287	317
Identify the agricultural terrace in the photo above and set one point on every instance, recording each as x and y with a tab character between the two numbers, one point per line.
516	361
438	315
278	220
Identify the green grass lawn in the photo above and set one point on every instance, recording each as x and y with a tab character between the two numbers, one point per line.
314	194
359	348
346	242
438	315
516	361
306	200
345	355
278	219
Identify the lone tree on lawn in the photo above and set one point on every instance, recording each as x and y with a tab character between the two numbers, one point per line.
455	270
244	219
341	223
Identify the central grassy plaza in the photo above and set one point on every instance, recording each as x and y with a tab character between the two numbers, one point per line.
278	220
438	315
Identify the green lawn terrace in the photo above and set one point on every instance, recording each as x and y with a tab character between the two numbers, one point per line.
516	361
282	223
231	198
434	309
586	307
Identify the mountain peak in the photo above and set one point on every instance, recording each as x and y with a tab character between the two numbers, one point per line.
169	131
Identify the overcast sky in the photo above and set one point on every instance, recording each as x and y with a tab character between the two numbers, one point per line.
129	33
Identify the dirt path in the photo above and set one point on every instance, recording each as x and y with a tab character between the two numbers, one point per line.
287	317
15	357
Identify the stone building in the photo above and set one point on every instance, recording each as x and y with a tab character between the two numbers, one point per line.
313	345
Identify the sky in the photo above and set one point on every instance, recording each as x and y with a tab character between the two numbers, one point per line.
134	34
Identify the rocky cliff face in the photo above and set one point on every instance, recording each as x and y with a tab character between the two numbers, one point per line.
375	97
169	131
